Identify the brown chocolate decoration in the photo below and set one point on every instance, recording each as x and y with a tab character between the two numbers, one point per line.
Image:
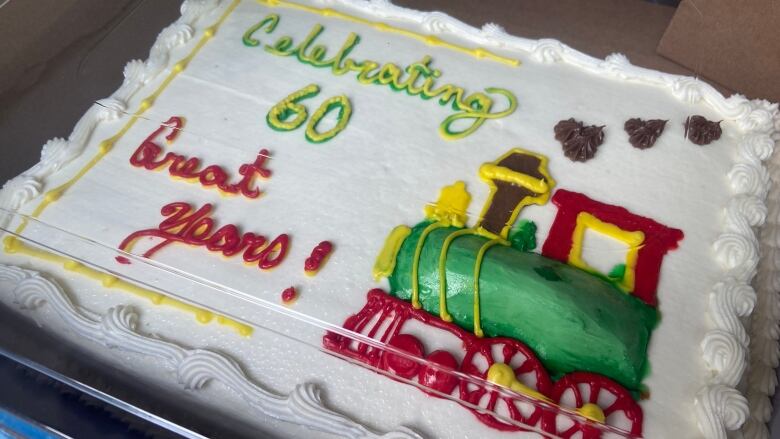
701	131
579	142
643	133
507	195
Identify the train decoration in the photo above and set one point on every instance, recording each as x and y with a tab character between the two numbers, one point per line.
545	325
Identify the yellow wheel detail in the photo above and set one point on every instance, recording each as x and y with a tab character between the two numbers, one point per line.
592	412
502	375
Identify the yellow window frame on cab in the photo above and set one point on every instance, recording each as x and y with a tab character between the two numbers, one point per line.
633	240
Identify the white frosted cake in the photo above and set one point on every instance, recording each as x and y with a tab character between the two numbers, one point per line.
522	240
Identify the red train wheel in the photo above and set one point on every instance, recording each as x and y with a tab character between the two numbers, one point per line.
528	370
398	365
439	380
601	394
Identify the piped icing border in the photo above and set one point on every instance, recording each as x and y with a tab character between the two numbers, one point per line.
118	329
720	407
764	330
58	152
719	404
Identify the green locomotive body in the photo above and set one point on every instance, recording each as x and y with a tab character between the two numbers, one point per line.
573	320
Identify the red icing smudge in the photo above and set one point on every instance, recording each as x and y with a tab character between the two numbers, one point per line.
122	260
318	257
289	295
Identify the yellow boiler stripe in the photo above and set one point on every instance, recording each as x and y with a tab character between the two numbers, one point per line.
477	269
445	247
378	25
416	262
13	245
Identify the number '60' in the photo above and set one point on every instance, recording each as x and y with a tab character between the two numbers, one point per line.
288	114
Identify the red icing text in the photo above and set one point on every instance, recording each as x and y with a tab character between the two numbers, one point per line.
289	295
186	226
147	156
318	256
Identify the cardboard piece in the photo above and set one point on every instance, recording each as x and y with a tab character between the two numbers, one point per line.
734	43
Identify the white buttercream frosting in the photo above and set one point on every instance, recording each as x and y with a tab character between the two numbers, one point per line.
118	329
725	355
719	407
730	301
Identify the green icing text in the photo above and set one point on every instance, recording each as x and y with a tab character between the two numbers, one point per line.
416	79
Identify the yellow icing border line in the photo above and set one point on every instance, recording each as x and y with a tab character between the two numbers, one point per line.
13	245
430	40
202	315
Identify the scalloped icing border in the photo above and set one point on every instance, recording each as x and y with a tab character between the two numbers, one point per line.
719	406
118	329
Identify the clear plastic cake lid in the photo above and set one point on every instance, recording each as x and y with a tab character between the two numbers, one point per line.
497	380
485	383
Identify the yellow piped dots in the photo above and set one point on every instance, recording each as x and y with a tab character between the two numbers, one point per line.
244	330
108	280
210	31
146	104
327	12
433	41
157	298
381	26
71	265
52	196
480	53
106	146
203	316
10	244
179	66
